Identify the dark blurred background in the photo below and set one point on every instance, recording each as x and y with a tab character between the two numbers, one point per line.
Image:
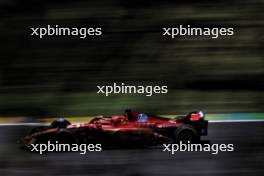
59	75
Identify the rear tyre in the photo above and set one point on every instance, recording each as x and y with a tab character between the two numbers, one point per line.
187	134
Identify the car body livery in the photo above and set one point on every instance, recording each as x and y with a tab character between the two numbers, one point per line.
131	129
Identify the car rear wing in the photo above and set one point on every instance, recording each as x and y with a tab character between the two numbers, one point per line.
196	116
191	117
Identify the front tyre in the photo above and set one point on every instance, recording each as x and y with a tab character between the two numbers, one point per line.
37	129
64	137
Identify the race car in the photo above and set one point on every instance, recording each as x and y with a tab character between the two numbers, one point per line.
130	129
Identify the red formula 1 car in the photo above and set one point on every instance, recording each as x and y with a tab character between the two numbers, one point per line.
131	129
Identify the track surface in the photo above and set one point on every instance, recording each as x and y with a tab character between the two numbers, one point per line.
247	159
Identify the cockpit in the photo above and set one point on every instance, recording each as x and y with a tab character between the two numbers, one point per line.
143	118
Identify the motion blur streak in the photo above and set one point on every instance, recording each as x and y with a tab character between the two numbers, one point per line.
246	159
58	75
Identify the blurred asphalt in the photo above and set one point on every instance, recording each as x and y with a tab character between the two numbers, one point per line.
247	159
